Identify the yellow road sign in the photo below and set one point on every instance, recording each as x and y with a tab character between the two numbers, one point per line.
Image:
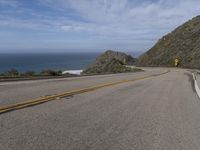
176	62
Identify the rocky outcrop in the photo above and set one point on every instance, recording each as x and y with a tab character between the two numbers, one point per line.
111	62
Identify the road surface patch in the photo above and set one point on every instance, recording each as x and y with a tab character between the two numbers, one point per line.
197	89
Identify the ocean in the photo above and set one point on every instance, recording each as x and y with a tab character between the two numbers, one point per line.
40	62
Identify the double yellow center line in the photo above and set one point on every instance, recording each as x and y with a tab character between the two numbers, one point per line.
32	102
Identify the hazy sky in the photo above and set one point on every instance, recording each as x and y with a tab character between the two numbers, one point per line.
89	25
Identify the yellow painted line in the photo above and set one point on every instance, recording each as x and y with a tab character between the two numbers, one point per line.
37	101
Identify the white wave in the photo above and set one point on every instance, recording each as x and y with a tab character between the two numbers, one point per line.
77	72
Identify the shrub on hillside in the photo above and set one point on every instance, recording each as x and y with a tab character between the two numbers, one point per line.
12	73
29	74
51	73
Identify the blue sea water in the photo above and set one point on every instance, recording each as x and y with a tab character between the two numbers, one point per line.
39	62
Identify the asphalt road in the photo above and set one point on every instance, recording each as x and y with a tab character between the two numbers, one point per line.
160	113
12	92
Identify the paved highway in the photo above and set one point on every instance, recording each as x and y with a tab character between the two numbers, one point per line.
12	92
159	113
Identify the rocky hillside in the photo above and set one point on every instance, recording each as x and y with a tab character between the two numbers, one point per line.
111	62
109	55
183	43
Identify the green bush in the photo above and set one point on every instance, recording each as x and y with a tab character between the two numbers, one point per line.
51	73
112	66
29	74
12	73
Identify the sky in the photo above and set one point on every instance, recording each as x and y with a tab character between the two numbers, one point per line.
89	25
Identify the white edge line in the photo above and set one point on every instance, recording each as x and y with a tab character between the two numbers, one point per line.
196	85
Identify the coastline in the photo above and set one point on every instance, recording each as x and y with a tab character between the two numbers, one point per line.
40	62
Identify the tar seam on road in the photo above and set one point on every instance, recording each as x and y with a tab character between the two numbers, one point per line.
196	85
32	102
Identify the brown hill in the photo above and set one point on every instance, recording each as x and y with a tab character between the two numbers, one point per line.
183	43
111	62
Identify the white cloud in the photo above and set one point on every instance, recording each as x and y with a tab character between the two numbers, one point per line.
117	21
12	3
126	15
72	28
